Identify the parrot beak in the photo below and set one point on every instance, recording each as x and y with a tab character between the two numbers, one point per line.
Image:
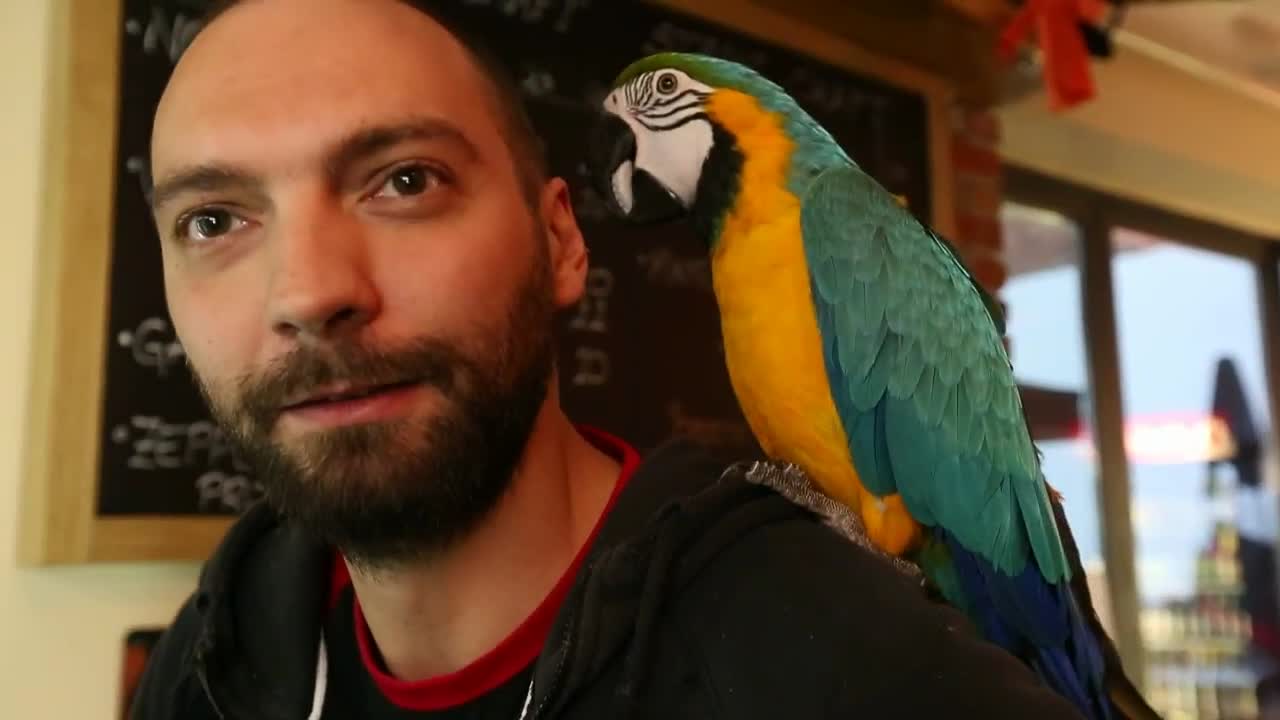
633	194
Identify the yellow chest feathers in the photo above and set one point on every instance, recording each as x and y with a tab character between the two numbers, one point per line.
773	349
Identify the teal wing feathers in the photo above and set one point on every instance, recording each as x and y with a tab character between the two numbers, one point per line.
920	377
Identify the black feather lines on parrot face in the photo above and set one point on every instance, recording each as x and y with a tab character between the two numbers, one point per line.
718	186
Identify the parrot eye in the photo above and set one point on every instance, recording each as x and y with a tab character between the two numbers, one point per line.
667	83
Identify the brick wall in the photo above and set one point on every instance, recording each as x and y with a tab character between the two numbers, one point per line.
979	188
975	136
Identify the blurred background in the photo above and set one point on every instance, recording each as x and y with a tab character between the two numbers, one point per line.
1110	170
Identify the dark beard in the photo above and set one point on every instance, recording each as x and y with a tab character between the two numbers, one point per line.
394	493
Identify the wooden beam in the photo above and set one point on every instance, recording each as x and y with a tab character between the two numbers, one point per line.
993	13
59	490
1102	347
930	35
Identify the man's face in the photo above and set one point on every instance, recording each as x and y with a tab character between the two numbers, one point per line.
364	292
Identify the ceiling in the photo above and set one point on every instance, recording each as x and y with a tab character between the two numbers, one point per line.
1186	115
1239	38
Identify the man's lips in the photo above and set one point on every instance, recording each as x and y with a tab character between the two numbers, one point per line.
345	406
342	393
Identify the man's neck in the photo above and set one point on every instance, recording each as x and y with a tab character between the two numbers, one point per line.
439	616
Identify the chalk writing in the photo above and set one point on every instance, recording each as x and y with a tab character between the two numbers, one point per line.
831	94
153	345
538	82
220	492
661	266
137	166
588	204
560	14
161	445
162	33
593	308
592	367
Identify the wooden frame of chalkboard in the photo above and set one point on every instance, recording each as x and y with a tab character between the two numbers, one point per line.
59	523
69	515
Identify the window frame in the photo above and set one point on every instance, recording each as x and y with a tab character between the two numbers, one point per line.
1096	214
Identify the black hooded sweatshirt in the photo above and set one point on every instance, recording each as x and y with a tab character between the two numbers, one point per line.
703	596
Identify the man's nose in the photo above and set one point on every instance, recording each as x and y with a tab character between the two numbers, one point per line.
321	285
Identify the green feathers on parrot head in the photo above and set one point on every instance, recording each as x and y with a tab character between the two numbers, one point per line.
661	152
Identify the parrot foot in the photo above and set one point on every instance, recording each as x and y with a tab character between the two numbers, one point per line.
791	482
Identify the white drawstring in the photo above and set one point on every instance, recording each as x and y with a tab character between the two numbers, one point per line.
322	680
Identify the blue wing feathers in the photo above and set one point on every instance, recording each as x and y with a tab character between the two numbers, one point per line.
1035	620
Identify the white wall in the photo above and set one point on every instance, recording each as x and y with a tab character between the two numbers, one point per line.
61	631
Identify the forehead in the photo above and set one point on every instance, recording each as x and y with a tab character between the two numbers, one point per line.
272	80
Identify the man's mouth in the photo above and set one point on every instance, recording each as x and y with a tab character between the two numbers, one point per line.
342	393
347	404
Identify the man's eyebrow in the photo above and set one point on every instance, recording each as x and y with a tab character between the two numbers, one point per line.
203	178
374	139
351	149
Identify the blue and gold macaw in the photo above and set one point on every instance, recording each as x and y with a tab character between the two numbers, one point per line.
861	350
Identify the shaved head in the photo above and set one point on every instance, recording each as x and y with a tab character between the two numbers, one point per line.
525	145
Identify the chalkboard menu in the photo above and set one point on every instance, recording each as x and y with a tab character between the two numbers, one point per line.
640	356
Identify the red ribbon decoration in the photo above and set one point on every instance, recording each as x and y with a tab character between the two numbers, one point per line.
1067	75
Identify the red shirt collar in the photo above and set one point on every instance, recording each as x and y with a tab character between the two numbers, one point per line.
517	650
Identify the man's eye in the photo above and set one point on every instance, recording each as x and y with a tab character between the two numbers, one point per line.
408	180
207	224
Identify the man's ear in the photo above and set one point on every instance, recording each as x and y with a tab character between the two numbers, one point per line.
566	246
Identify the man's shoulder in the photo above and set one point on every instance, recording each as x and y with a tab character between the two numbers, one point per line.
779	603
255	606
169	687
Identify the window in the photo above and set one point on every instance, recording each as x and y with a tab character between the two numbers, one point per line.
1196	410
1169	360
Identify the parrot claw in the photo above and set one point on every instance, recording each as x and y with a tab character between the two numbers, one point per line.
742	468
792	483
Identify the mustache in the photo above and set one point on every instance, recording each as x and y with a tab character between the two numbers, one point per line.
305	371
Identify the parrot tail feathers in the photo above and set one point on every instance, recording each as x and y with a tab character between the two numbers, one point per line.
1078	670
1127	701
1037	622
1055	667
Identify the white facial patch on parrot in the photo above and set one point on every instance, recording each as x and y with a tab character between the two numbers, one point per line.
666	112
674	157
